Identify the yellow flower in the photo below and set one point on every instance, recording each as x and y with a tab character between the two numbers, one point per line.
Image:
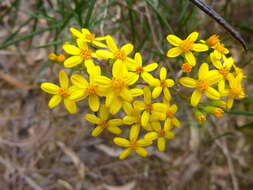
89	37
203	84
220	50
170	119
117	88
132	145
224	69
52	57
60	92
185	47
103	122
140	70
79	54
235	90
85	88
119	54
161	134
213	40
156	110
163	85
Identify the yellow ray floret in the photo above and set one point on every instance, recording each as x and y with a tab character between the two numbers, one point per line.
60	92
185	47
206	78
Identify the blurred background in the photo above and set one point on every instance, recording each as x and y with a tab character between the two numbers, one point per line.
42	149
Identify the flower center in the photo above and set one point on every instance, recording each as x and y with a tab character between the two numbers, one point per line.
235	92
161	133
133	145
63	92
117	84
139	70
186	68
186	45
218	112
85	53
120	54
163	83
91	89
149	107
169	114
104	124
213	40
90	37
224	71
202	85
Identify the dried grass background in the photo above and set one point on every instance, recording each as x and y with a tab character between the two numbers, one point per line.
42	149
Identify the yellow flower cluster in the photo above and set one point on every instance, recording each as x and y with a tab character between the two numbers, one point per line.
218	70
125	92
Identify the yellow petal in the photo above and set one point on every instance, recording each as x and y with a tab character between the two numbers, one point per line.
213	77
167	95
92	118
115	105
156	92
203	70
114	130
79	81
147	95
99	44
49	88
109	99
145	118
127	48
77	95
71	49
170	82
121	142
200	47
161	143
136	92
174	52
97	131
195	98
104	54
118	69
169	135
150	67
163	73
230	103
72	61
221	85
142	152
148	78
156	126
138	59
176	122
125	153
150	136
54	101
111	44
212	93
174	40
190	58
103	112
82	44
63	79
193	36
134	132
138	104
126	95
93	102
115	122
75	32
187	82
70	106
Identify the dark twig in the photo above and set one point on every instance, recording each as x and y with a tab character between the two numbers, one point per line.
209	11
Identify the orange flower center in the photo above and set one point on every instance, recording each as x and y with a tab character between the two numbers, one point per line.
186	68
235	92
224	71
169	114
149	107
90	36
213	40
133	145
63	92
104	124
117	84
186	45
91	89
161	133
120	54
139	70
163	83
202	85
85	53
218	112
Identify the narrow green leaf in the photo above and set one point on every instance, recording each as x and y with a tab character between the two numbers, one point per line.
237	112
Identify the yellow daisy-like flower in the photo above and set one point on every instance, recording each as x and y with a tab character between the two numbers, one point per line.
238	72
87	36
171	119
220	50
161	134
117	88
163	85
235	90
185	47
140	70
223	68
85	88
119	54
203	84
156	110
103	122
60	92
132	145
79	54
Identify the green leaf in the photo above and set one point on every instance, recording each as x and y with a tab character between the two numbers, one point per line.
238	112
